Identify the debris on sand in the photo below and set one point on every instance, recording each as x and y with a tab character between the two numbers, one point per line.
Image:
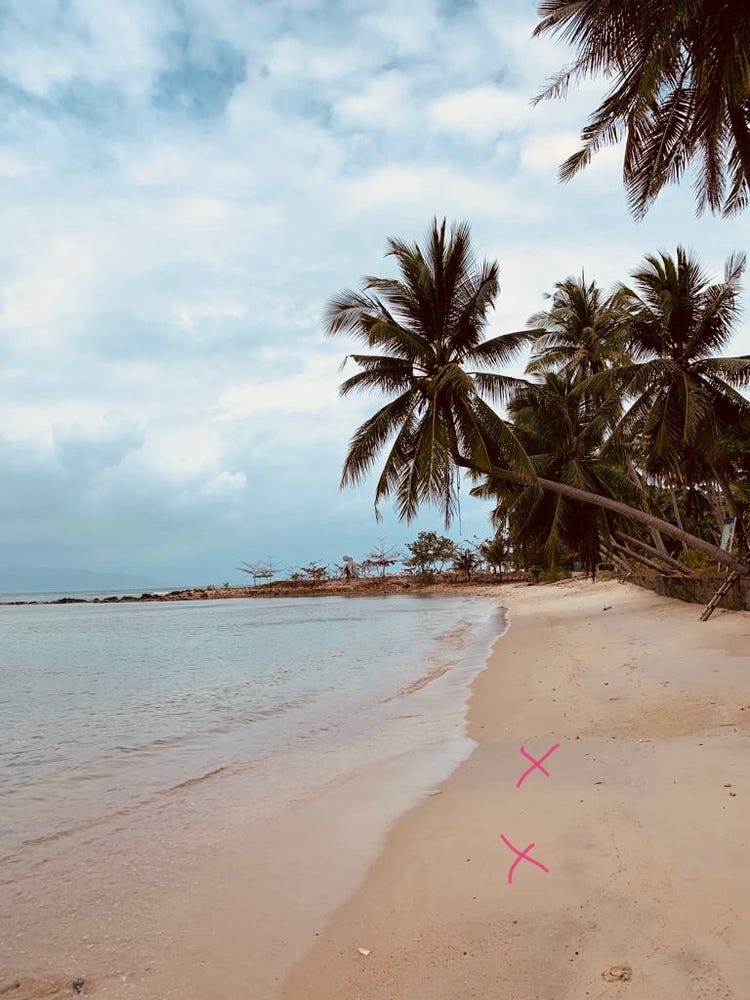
618	974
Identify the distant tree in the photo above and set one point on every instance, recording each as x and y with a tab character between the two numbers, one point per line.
466	561
315	572
381	558
258	571
430	551
497	551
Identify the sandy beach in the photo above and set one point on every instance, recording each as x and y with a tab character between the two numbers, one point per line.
642	822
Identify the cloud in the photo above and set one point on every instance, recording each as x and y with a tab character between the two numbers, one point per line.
413	191
385	102
86	451
185	184
481	112
225	485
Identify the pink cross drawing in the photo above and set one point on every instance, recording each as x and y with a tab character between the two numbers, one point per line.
522	856
536	764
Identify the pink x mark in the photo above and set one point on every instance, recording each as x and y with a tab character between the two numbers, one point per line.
536	764
522	856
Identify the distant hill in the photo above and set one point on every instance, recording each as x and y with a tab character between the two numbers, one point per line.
48	579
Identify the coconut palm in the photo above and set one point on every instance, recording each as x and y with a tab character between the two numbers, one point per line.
466	562
428	328
583	331
497	551
681	91
685	397
567	436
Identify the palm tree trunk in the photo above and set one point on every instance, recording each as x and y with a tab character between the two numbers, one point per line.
644	560
699	544
606	503
658	540
666	560
613	557
677	516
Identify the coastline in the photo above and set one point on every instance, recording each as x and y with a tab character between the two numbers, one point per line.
642	822
395	583
198	894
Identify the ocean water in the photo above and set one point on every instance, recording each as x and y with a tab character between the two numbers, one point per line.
106	711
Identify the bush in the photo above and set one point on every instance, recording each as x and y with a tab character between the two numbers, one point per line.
553	574
696	560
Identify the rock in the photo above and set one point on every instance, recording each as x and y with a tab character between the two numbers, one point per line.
78	984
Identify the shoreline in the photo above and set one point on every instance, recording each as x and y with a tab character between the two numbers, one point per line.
395	583
652	712
222	909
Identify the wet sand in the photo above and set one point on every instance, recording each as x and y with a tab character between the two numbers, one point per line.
644	822
213	887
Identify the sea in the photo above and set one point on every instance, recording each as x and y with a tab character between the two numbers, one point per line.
108	706
145	716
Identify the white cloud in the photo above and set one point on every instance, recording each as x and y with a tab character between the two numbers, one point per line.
291	58
385	102
546	152
481	112
416	193
169	284
225	486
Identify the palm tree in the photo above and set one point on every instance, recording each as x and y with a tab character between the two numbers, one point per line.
428	328
497	551
567	436
582	333
466	562
685	398
681	91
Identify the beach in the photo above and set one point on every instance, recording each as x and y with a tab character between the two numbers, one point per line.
389	881
189	789
642	822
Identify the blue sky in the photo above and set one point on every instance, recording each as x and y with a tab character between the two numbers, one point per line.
183	185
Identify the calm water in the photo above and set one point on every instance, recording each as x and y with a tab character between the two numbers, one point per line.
106	709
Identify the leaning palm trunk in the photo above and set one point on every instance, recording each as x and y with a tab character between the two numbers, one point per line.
622	564
617	507
638	482
672	564
699	544
637	557
677	516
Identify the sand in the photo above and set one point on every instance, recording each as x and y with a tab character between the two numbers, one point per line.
643	822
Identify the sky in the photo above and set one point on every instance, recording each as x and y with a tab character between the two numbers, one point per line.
184	184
